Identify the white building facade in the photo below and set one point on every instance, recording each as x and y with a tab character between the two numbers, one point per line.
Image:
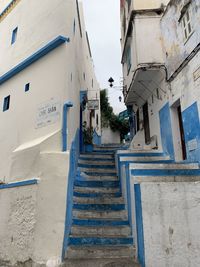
160	171
46	78
160	44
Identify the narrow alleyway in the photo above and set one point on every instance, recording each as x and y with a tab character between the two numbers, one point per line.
100	233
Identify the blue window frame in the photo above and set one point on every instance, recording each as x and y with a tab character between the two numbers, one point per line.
14	35
27	87
6	103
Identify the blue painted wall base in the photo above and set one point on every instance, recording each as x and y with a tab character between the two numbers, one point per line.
166	131
191	126
74	155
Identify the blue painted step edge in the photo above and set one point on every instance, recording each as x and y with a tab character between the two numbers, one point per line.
85	165
81	177
165	172
106	152
99	207
101	174
97	159
77	241
96	184
91	222
95	195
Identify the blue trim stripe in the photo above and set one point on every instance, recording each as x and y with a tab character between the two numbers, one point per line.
139	225
92	241
18	184
191	172
33	58
99	222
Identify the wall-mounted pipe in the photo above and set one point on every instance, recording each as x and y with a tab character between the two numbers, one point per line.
66	106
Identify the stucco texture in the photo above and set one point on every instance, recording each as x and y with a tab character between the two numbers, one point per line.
171	215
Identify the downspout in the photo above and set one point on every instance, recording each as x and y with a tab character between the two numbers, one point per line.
66	107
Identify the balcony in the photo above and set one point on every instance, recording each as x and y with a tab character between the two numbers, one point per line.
143	59
132	7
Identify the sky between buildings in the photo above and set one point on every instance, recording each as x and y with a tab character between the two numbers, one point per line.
103	25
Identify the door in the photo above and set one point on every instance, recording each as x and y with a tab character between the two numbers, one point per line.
146	124
182	135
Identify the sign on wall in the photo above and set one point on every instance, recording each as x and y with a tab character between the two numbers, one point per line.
48	113
93	104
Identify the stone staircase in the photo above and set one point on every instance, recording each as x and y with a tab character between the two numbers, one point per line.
100	234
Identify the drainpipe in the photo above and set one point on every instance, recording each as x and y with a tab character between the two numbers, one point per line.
66	107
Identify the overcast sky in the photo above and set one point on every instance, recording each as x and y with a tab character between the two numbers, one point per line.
103	25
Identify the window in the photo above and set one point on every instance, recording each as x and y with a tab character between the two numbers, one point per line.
14	35
6	103
128	58
186	24
27	87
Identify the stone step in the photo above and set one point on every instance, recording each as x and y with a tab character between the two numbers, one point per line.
147	159
96	184
95	190
99	241
99	207
103	215
101	262
100	252
96	195
99	200
163	166
101	231
103	162
98	170
104	151
99	177
97	173
100	165
99	222
97	156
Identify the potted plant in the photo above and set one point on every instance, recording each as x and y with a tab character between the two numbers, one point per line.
87	138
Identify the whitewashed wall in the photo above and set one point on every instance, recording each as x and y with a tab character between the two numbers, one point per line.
27	149
33	217
171	214
110	137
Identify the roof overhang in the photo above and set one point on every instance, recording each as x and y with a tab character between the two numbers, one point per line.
144	83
